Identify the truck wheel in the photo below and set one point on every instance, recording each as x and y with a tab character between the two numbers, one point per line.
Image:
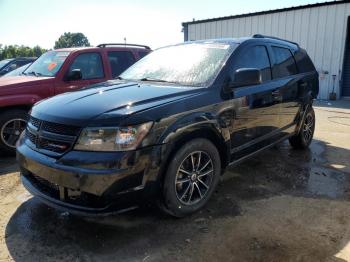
303	139
191	178
12	123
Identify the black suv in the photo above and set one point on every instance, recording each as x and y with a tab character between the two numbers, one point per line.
11	64
167	128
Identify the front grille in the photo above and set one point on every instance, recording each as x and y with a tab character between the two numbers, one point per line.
44	185
35	122
31	137
55	127
87	200
53	190
51	137
49	145
60	129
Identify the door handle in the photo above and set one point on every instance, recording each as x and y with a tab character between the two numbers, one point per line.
276	93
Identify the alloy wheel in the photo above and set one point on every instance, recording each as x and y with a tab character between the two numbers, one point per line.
194	178
11	131
308	127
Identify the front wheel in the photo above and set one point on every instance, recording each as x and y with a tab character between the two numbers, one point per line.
303	139
12	123
191	178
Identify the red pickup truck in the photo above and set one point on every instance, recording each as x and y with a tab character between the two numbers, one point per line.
55	72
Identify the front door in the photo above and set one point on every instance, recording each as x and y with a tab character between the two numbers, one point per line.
92	70
256	108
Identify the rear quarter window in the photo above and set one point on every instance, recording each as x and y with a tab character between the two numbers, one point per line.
304	62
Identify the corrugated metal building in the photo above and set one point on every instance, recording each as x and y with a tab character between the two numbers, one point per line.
322	29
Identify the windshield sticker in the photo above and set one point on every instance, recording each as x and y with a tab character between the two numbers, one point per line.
51	66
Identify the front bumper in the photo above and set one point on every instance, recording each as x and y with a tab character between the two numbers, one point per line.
91	183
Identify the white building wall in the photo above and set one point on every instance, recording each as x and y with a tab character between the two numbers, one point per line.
320	30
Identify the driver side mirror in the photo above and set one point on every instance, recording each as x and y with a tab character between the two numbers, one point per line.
246	77
75	74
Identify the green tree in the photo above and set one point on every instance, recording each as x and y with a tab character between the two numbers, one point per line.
69	39
12	51
38	51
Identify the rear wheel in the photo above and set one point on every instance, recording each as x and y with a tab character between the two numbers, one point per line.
191	178
303	139
12	123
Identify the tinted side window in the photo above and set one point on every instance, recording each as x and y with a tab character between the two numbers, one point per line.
284	62
255	57
304	62
22	62
90	65
143	53
119	61
12	66
16	64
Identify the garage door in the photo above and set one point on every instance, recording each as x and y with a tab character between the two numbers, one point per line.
346	73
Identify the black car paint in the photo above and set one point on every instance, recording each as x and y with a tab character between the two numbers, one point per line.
239	121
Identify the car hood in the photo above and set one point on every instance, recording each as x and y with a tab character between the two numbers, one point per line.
110	100
19	81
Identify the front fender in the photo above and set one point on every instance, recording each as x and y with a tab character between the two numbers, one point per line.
191	123
196	125
18	100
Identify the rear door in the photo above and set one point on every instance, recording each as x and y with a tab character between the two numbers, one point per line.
92	69
285	75
256	113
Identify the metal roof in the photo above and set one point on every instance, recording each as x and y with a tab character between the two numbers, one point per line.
268	12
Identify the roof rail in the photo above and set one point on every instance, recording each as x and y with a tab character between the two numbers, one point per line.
272	37
123	44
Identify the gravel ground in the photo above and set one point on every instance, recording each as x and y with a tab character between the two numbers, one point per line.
284	205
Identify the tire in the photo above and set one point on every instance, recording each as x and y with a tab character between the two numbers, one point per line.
303	139
12	123
178	183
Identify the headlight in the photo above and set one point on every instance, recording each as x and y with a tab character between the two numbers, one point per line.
112	138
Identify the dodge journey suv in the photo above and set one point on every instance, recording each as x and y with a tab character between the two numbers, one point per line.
167	128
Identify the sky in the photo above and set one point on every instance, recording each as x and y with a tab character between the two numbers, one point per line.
152	22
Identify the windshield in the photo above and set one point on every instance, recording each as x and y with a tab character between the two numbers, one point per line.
48	64
192	64
18	71
4	62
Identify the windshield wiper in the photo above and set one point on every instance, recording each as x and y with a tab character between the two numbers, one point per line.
34	73
151	79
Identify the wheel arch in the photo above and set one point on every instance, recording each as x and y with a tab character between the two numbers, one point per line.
206	131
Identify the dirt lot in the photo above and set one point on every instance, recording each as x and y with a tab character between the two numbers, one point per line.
284	205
